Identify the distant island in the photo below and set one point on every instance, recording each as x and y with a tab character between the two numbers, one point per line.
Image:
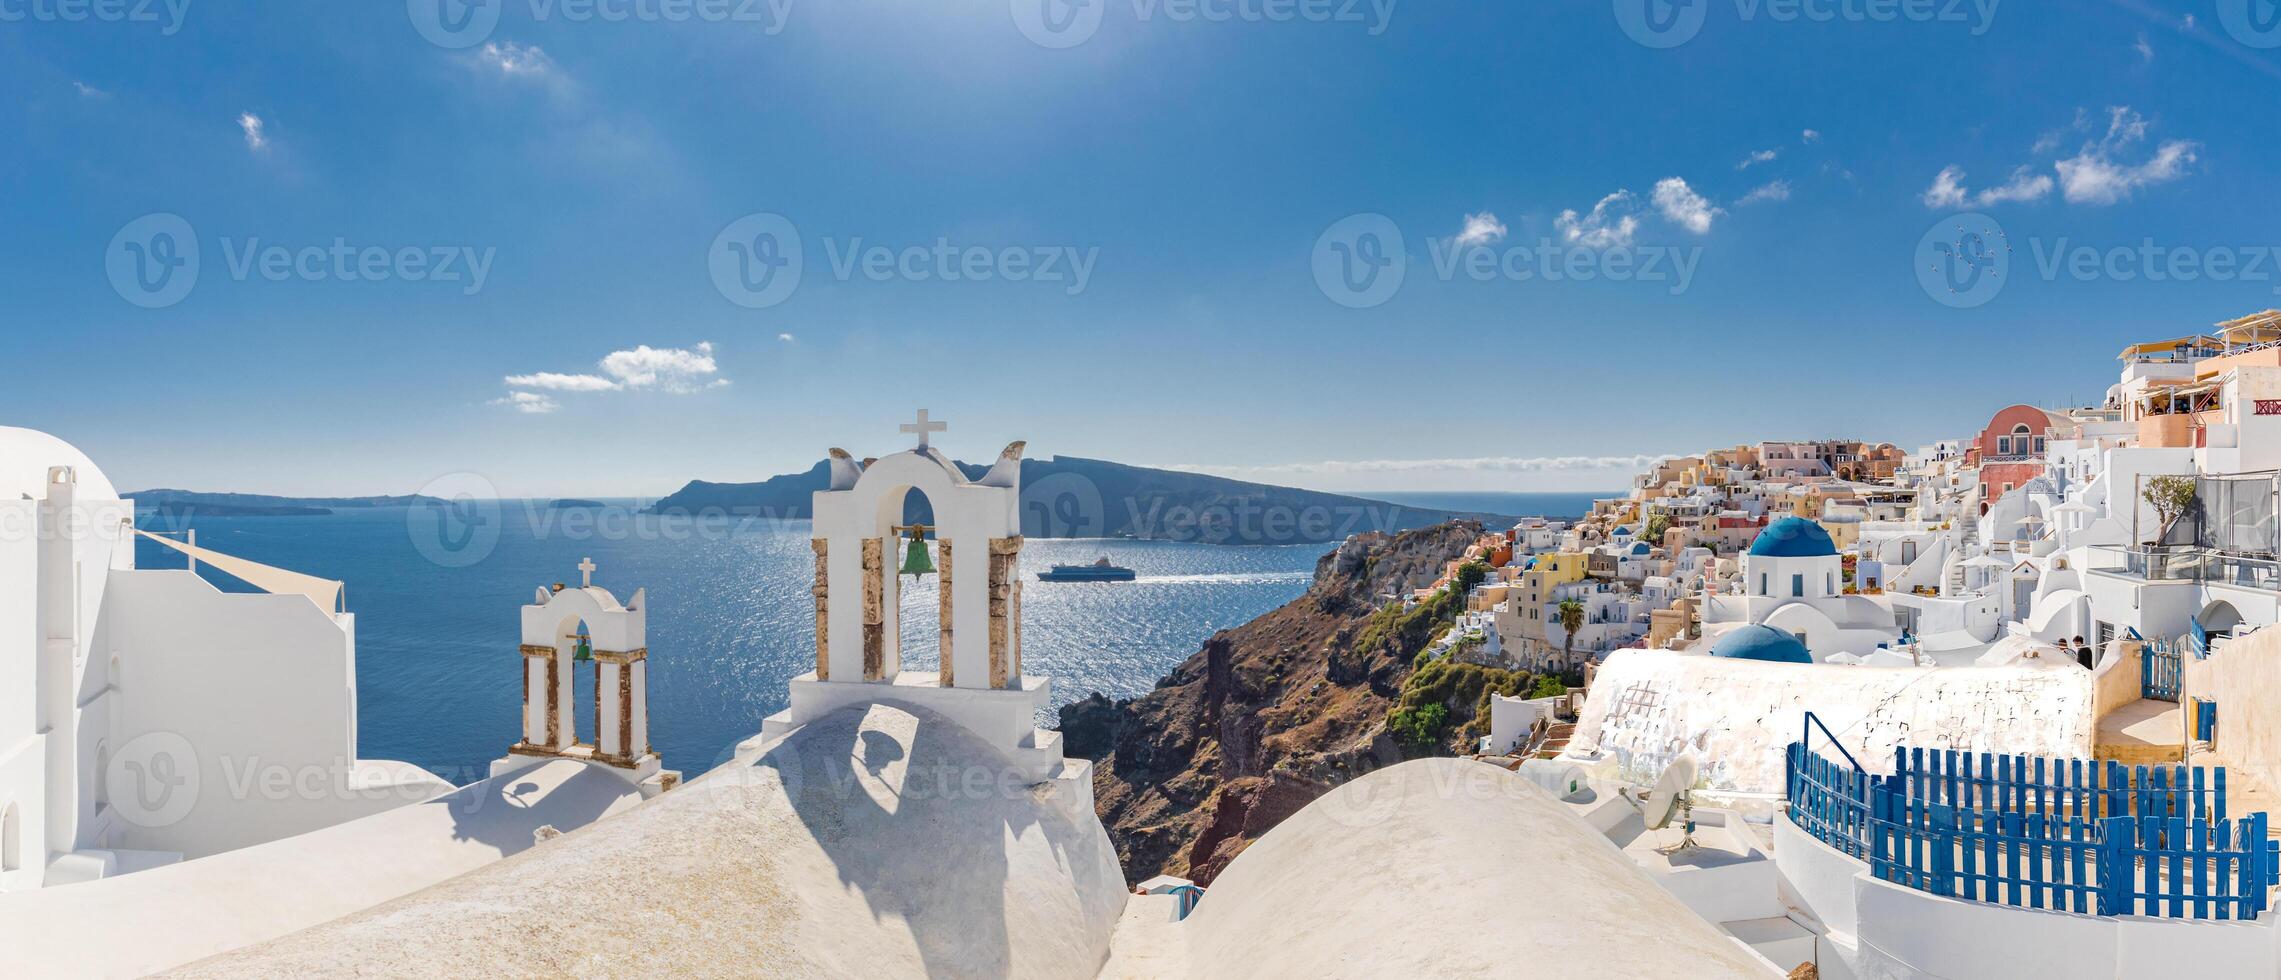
1073	497
167	503
573	503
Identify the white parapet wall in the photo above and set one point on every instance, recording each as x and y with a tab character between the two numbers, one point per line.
1647	706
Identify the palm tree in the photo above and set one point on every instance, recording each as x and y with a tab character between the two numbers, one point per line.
1571	620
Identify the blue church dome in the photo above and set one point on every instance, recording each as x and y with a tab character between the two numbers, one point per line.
1793	537
1757	642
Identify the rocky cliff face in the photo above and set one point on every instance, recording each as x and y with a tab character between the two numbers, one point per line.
1267	716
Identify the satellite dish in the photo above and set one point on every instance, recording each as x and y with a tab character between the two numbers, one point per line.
1670	795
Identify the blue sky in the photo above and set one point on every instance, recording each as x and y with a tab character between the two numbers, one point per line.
1191	166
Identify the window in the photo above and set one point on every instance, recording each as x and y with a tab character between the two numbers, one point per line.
1797	586
1762	584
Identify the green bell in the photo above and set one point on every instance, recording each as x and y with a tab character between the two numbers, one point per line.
584	651
915	560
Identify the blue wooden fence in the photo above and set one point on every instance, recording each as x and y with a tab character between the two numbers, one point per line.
2158	672
2059	834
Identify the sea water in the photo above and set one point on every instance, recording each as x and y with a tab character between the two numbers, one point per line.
731	617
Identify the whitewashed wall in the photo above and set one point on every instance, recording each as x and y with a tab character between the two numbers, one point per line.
260	688
1647	706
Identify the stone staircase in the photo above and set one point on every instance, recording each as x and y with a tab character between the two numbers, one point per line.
1556	739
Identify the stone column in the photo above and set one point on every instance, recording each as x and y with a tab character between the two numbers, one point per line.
823	593
538	696
1004	670
622	731
942	614
874	611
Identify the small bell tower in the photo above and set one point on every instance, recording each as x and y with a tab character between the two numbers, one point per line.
586	628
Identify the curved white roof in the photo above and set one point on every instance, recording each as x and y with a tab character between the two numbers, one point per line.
1391	875
26	454
876	841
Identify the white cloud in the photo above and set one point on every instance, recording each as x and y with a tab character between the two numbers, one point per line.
669	369
1682	206
1948	190
515	60
1810	136
87	91
2025	185
2188	23
1761	156
785	337
256	137
1773	190
2094	175
2145	50
551	381
1608	226
1481	229
528	402
1489	464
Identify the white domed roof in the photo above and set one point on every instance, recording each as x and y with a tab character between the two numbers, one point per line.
26	455
1388	876
866	843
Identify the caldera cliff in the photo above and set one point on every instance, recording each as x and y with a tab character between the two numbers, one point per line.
1276	712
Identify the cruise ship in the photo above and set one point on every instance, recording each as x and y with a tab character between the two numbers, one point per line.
1099	571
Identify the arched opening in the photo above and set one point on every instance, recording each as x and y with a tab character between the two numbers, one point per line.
585	722
11	838
2220	617
917	611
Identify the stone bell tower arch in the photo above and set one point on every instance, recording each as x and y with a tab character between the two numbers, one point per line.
978	538
615	641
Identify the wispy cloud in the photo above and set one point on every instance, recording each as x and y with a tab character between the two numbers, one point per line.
1681	206
528	402
256	131
2145	50
2095	175
87	91
1610	225
673	370
1486	464
515	60
785	337
1766	193
1758	157
1810	136
1481	229
1948	190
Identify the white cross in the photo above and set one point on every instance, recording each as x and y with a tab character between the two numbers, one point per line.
924	426
586	572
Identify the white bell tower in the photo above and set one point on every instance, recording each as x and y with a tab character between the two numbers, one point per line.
978	538
563	630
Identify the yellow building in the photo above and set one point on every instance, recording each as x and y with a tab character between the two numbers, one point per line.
1522	623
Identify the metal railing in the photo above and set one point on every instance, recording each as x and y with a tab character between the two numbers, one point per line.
2188	564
